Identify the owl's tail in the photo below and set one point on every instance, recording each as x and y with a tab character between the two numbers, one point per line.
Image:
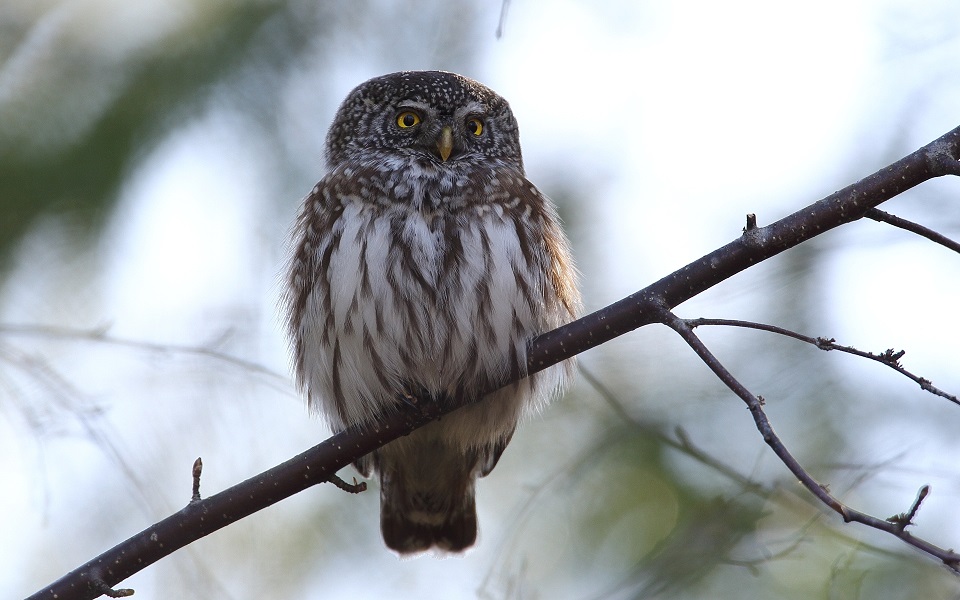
427	498
452	528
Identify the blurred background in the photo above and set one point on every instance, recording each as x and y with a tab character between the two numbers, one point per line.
152	158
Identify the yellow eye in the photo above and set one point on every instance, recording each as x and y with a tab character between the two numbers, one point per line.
475	126
408	119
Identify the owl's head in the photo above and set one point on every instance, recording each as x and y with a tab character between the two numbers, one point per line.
429	117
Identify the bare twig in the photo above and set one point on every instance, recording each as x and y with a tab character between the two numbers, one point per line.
820	491
682	443
889	357
101	335
903	520
70	399
197	471
559	479
502	21
106	590
884	217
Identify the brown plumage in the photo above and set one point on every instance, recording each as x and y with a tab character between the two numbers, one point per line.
424	263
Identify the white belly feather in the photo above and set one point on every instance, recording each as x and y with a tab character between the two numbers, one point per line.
448	329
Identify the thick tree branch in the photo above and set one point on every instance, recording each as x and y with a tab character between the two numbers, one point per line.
646	306
202	517
755	245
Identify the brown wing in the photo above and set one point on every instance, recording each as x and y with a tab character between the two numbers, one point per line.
490	455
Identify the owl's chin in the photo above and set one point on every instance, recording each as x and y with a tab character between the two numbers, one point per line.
425	168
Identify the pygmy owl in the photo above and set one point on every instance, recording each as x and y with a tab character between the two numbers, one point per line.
424	262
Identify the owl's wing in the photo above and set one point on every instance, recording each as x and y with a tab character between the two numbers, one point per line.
490	456
364	464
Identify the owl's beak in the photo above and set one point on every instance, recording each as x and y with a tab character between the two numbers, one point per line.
445	143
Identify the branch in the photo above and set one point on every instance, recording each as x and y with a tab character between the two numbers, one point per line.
890	357
100	334
558	480
884	217
757	244
894	525
200	518
646	306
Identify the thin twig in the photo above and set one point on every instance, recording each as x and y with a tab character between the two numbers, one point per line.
683	444
902	520
889	357
100	335
69	398
502	22
197	471
884	217
106	590
755	403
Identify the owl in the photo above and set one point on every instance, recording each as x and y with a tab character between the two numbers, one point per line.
423	263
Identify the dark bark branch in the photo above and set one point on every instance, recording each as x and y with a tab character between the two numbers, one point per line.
202	517
646	306
755	245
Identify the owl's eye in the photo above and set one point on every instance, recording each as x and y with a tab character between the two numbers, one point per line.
408	119
475	126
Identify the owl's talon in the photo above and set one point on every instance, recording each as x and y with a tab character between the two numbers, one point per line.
356	488
410	400
422	404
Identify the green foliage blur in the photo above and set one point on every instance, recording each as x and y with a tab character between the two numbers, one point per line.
75	112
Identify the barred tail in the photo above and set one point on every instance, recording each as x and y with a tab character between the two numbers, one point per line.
423	523
427	494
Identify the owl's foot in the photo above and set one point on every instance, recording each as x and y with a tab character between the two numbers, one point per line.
421	403
356	488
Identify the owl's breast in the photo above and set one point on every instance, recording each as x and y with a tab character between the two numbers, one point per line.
443	300
435	281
